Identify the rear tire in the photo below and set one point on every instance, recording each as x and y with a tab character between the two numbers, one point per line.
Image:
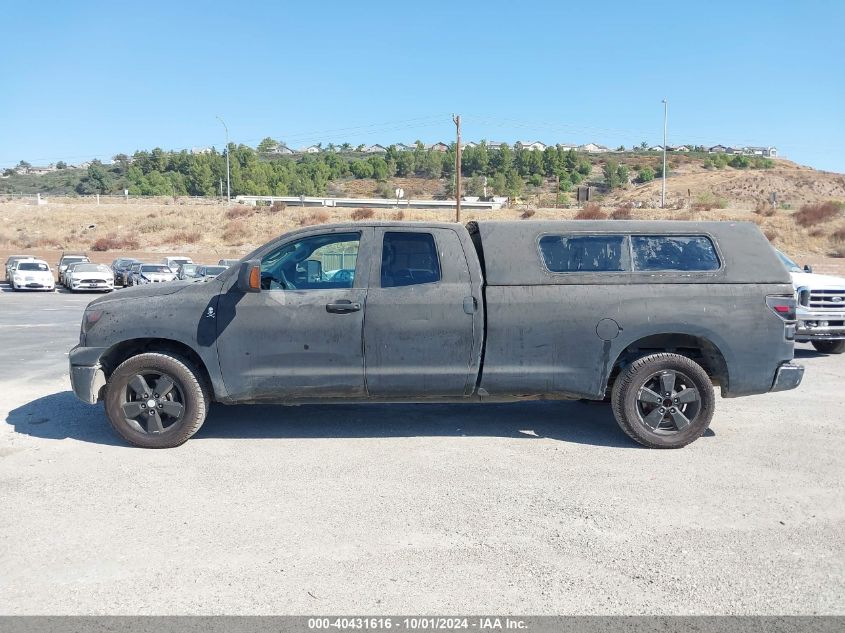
829	347
663	401
179	411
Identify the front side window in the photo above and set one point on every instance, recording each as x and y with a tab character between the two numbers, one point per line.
584	253
408	259
674	252
312	263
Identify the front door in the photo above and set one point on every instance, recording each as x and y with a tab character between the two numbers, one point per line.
300	337
421	322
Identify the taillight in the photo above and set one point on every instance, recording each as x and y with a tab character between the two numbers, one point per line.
782	305
90	319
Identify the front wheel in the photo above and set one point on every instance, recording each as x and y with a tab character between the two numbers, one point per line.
156	400
663	401
829	347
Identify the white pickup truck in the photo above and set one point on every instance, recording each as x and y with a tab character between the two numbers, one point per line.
821	308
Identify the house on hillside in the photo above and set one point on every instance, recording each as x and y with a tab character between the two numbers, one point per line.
495	144
678	148
374	149
565	147
769	152
655	148
402	147
311	149
592	148
438	147
533	146
471	144
200	150
280	150
40	171
717	149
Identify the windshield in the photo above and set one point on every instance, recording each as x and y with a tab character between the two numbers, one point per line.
91	268
176	262
155	268
32	266
791	266
214	270
189	268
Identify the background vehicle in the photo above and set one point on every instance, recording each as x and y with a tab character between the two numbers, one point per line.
210	271
88	276
141	274
120	267
228	262
10	264
821	308
186	271
651	313
65	260
342	275
68	270
32	274
173	263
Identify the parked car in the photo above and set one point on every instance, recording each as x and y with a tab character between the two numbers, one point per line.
141	274
186	271
88	276
173	263
66	276
342	274
32	274
120	267
10	264
651	314
210	272
65	260
821	307
228	262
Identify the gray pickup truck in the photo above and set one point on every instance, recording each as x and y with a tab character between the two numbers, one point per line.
648	315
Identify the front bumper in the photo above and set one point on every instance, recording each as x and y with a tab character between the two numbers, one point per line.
788	376
820	325
86	374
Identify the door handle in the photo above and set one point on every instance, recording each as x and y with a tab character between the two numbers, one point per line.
342	306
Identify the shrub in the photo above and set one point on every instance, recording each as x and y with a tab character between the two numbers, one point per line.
839	251
235	233
646	175
399	215
384	190
364	213
114	243
238	212
277	207
528	213
813	214
185	237
622	212
764	208
591	211
770	234
315	217
838	235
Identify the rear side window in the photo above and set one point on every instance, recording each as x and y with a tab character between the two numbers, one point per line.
584	253
673	252
408	259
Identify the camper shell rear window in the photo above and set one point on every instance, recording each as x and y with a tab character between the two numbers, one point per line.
580	253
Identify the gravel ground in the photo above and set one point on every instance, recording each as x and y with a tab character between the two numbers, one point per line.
542	508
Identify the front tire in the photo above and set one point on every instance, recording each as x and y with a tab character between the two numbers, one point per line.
156	400
663	401
829	347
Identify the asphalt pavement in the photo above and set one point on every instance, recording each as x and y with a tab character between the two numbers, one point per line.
538	507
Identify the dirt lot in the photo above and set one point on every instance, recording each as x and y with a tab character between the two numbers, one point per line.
538	507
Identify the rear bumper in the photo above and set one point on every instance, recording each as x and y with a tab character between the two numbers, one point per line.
788	376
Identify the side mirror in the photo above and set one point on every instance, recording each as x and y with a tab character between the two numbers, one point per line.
249	276
314	269
808	268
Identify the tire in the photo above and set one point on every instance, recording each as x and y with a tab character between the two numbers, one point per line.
164	429
829	347
670	423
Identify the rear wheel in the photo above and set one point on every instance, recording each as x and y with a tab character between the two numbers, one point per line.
156	400
829	347
663	401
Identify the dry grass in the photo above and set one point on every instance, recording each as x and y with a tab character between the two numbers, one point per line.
813	214
838	235
115	243
528	213
770	234
235	233
240	211
591	211
622	212
364	213
184	237
764	208
315	217
399	215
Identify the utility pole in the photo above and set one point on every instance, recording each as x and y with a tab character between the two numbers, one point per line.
457	119
228	181
665	123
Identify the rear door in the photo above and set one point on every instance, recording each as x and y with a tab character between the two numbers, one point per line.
421	319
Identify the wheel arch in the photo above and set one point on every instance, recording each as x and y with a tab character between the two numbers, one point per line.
116	354
698	347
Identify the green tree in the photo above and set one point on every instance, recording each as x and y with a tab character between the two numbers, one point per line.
380	169
611	174
61	165
622	174
361	169
267	145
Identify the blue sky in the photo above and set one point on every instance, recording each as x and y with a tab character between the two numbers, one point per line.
91	79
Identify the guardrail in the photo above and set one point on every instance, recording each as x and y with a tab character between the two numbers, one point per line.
384	203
